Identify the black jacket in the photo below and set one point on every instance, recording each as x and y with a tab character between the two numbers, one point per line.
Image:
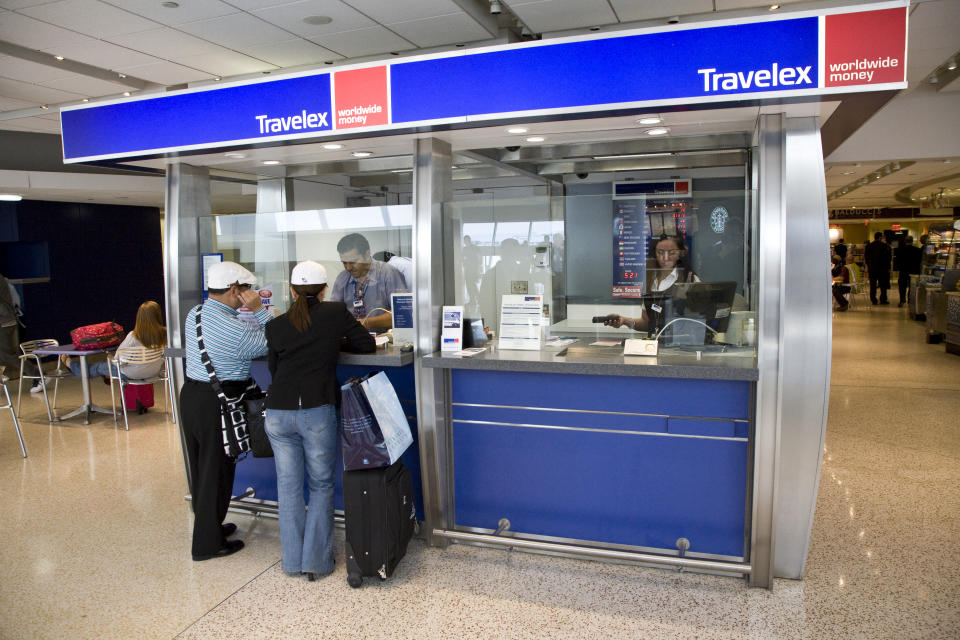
877	256
303	365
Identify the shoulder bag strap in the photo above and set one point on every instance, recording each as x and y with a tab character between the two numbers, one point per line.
205	358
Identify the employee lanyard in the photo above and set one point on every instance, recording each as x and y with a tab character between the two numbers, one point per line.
358	291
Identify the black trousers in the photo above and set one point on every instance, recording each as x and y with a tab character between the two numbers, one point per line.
903	281
879	280
839	290
210	469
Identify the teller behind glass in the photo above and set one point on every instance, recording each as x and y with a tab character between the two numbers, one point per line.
670	254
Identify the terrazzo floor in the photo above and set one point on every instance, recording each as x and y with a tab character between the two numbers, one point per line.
95	538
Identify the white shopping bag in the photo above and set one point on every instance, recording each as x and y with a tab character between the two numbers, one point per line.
390	416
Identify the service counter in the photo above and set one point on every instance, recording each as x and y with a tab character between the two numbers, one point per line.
259	474
590	447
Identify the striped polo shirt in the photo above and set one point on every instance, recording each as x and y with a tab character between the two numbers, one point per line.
230	341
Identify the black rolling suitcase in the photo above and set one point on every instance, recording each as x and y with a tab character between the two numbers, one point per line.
380	519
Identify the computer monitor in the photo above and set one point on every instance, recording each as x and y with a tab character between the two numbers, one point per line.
709	302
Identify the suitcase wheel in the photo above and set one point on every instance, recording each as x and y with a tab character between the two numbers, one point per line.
354	580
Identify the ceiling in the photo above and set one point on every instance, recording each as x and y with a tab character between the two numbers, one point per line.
140	46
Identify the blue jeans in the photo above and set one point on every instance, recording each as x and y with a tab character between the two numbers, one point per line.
94	369
305	437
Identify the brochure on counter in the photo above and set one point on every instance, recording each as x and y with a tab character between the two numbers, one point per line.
520	320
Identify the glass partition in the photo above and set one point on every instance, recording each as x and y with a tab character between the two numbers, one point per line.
270	244
664	261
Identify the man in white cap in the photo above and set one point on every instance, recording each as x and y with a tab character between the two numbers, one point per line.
231	344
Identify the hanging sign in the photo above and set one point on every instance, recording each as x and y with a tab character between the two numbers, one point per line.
803	54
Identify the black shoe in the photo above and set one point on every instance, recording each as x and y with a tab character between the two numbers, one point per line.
228	529
900	305
229	548
884	302
310	576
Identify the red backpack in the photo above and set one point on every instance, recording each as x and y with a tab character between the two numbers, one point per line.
97	336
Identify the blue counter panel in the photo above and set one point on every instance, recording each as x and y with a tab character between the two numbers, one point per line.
605	477
694	398
261	474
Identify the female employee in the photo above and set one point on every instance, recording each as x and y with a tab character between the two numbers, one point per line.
301	421
147	332
669	252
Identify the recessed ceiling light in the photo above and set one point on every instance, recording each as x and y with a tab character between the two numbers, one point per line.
517	130
951	64
122	75
271	162
362	154
657	131
849	173
631	155
217	78
774	7
43	106
536	139
86	100
58	57
235	154
126	94
170	5
648	120
318	20
594	28
333	146
947	161
10	197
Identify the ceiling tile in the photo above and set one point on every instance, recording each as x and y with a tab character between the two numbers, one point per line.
90	17
186	12
364	42
12	104
236	31
166	73
390	12
100	54
290	17
253	5
631	10
31	124
726	5
20	4
86	86
29	32
165	43
292	53
225	63
431	32
35	93
555	15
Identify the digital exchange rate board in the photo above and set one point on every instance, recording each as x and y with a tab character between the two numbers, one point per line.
629	247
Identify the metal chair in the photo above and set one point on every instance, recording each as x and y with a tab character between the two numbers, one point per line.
139	356
27	349
858	286
16	424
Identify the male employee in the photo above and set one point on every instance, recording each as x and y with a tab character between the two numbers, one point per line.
231	344
365	284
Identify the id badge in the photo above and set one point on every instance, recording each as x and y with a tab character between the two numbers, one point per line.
357	304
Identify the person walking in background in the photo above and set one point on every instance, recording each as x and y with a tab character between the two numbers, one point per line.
231	343
877	257
301	422
906	261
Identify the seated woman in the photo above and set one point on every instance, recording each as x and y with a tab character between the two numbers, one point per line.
147	332
841	282
671	270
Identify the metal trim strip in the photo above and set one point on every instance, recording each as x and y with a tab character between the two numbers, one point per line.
598	412
620	431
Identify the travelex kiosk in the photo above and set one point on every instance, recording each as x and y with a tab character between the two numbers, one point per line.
703	456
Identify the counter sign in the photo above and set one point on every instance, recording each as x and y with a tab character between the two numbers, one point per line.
865	48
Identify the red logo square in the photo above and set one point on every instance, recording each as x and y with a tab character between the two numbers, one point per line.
868	47
360	98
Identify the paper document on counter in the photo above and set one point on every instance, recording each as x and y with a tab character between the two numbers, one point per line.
520	322
467	353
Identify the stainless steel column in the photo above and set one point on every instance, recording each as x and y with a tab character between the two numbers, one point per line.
770	239
432	259
188	200
804	345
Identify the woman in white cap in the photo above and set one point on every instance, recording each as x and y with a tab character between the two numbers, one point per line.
304	345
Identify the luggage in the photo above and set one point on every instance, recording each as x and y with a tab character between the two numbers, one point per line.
134	392
97	336
380	519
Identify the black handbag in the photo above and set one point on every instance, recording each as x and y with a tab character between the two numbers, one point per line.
241	418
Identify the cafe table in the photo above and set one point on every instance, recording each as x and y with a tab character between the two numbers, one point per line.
88	406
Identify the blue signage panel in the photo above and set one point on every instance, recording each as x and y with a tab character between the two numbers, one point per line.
733	59
219	115
629	248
